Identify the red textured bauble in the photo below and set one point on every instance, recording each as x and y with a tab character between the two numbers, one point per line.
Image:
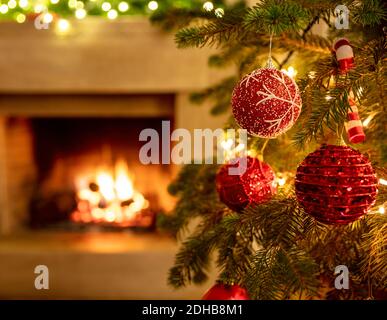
336	184
254	183
266	103
225	292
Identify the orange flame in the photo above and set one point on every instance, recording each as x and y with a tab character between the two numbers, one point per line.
112	199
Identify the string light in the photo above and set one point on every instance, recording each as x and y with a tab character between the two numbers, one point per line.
290	71
12	4
153	5
72	4
112	14
20	18
382	210
219	12
47	18
3	8
106	6
123	6
39	7
80	14
208	6
80	5
281	181
383	181
54	1
62	26
23	4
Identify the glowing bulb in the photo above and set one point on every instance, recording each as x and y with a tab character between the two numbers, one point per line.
123	6
312	74
54	1
72	4
219	12
153	5
47	18
23	3
79	5
281	181
112	14
208	6
327	98
63	26
382	210
383	181
291	72
80	13
12	4
20	18
226	144
106	6
39	8
3	8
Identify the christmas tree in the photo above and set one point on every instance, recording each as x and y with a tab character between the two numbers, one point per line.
322	212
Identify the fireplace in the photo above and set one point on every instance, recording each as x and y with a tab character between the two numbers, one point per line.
96	83
78	169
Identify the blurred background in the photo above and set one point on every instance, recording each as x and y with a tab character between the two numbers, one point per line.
79	80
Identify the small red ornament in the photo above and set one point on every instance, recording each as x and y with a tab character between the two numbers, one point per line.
225	292
354	126
266	103
336	184
254	183
344	54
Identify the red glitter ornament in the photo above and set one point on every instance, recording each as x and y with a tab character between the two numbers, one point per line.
225	292
336	184
266	103
254	183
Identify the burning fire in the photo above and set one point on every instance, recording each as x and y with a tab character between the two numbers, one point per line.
110	198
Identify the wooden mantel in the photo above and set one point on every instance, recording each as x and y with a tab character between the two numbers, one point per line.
99	56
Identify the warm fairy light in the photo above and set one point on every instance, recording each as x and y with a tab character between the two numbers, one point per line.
80	14
54	1
239	147
290	71
79	5
106	6
72	4
208	6
112	14
47	17
20	18
23	4
123	6
219	12
312	74
382	210
62	26
227	144
328	97
39	7
153	5
3	8
383	181
12	4
281	181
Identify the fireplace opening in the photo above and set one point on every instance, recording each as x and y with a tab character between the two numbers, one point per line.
88	174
